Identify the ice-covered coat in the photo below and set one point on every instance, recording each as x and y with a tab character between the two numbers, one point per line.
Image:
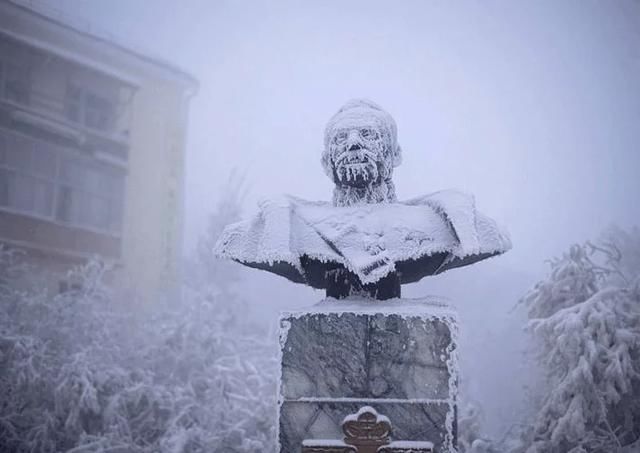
302	240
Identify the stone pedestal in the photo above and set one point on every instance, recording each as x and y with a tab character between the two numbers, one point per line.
397	356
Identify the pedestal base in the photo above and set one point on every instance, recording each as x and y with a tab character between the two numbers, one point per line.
397	356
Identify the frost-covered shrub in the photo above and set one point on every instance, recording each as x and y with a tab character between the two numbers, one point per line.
585	319
79	372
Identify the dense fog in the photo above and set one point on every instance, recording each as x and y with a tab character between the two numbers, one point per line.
533	107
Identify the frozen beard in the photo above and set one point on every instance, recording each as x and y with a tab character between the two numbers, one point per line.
360	153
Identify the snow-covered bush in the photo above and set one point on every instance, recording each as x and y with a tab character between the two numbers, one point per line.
79	372
84	372
585	319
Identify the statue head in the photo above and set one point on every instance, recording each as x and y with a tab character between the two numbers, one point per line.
360	151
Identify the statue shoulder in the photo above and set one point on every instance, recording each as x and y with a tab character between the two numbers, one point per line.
276	232
288	202
445	200
476	233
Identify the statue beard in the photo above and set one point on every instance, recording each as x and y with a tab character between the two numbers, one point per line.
360	177
356	167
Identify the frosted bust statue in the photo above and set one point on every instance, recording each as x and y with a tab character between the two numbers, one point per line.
366	242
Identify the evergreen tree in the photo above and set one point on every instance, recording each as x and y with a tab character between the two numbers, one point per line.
585	319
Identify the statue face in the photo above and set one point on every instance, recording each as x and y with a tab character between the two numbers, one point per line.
357	155
360	150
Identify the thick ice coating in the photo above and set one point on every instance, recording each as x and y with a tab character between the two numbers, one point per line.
304	241
360	151
365	242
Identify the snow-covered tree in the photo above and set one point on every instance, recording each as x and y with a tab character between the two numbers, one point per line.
585	319
470	439
207	271
220	281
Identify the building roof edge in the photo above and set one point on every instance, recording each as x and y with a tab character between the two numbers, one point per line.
110	41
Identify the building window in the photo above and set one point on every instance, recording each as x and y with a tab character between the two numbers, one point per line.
89	194
86	107
46	181
15	74
26	180
17	86
73	103
98	112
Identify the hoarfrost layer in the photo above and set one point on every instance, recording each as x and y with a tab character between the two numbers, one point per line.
369	240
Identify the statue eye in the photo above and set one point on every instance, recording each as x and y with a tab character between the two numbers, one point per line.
341	137
368	133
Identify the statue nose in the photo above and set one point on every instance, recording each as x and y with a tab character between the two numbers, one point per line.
353	141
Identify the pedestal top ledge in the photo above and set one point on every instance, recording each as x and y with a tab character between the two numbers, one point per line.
429	305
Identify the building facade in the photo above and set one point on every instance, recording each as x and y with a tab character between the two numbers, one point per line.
92	151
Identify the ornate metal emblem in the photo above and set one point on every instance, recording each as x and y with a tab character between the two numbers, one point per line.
366	432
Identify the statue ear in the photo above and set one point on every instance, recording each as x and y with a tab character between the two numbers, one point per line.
397	156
